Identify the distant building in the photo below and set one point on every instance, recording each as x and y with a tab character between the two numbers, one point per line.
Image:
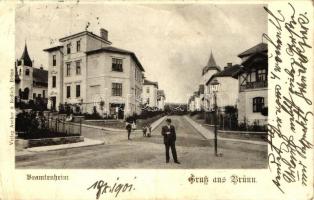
191	103
149	94
201	90
208	71
197	101
253	86
200	101
30	83
228	90
85	71
161	97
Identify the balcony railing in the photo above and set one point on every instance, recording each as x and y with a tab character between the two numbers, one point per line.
253	85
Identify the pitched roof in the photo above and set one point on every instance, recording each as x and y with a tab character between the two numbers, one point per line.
25	57
201	89
196	94
40	76
211	64
53	48
259	48
211	61
147	82
117	50
227	72
84	33
257	60
192	98
160	93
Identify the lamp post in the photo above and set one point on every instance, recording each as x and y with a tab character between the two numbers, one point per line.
215	87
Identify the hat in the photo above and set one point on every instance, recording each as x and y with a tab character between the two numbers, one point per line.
168	120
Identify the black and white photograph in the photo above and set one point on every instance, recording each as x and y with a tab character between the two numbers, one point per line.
163	100
141	86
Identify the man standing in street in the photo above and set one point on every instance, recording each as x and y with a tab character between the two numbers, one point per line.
169	134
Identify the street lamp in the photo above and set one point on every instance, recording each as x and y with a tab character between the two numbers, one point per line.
215	88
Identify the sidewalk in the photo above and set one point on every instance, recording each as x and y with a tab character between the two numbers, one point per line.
85	143
87	140
153	125
210	135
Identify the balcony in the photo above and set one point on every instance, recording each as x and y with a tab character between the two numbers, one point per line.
253	85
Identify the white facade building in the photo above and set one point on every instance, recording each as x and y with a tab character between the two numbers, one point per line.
149	94
161	97
86	71
253	86
228	91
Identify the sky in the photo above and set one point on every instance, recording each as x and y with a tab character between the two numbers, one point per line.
172	41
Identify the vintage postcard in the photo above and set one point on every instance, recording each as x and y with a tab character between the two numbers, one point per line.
156	100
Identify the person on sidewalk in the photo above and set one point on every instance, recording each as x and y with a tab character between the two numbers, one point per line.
169	134
144	131
128	128
149	130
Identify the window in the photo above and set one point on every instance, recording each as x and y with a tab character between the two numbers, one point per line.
27	72
78	68
258	104
34	95
69	48
68	73
54	60
117	65
78	46
261	75
78	90
44	94
20	72
68	91
116	89
147	90
54	81
135	74
253	76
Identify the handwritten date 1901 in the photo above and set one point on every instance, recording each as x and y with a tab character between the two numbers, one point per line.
103	187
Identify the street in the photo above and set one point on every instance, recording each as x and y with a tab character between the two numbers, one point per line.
147	152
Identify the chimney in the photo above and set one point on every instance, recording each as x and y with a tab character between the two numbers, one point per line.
41	66
228	65
104	33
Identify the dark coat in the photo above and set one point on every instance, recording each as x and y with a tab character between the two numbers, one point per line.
128	127
171	138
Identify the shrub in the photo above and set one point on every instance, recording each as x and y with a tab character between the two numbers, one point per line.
94	115
148	114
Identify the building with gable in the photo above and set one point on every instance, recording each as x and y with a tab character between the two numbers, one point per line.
200	97
31	83
253	86
228	91
150	93
161	97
